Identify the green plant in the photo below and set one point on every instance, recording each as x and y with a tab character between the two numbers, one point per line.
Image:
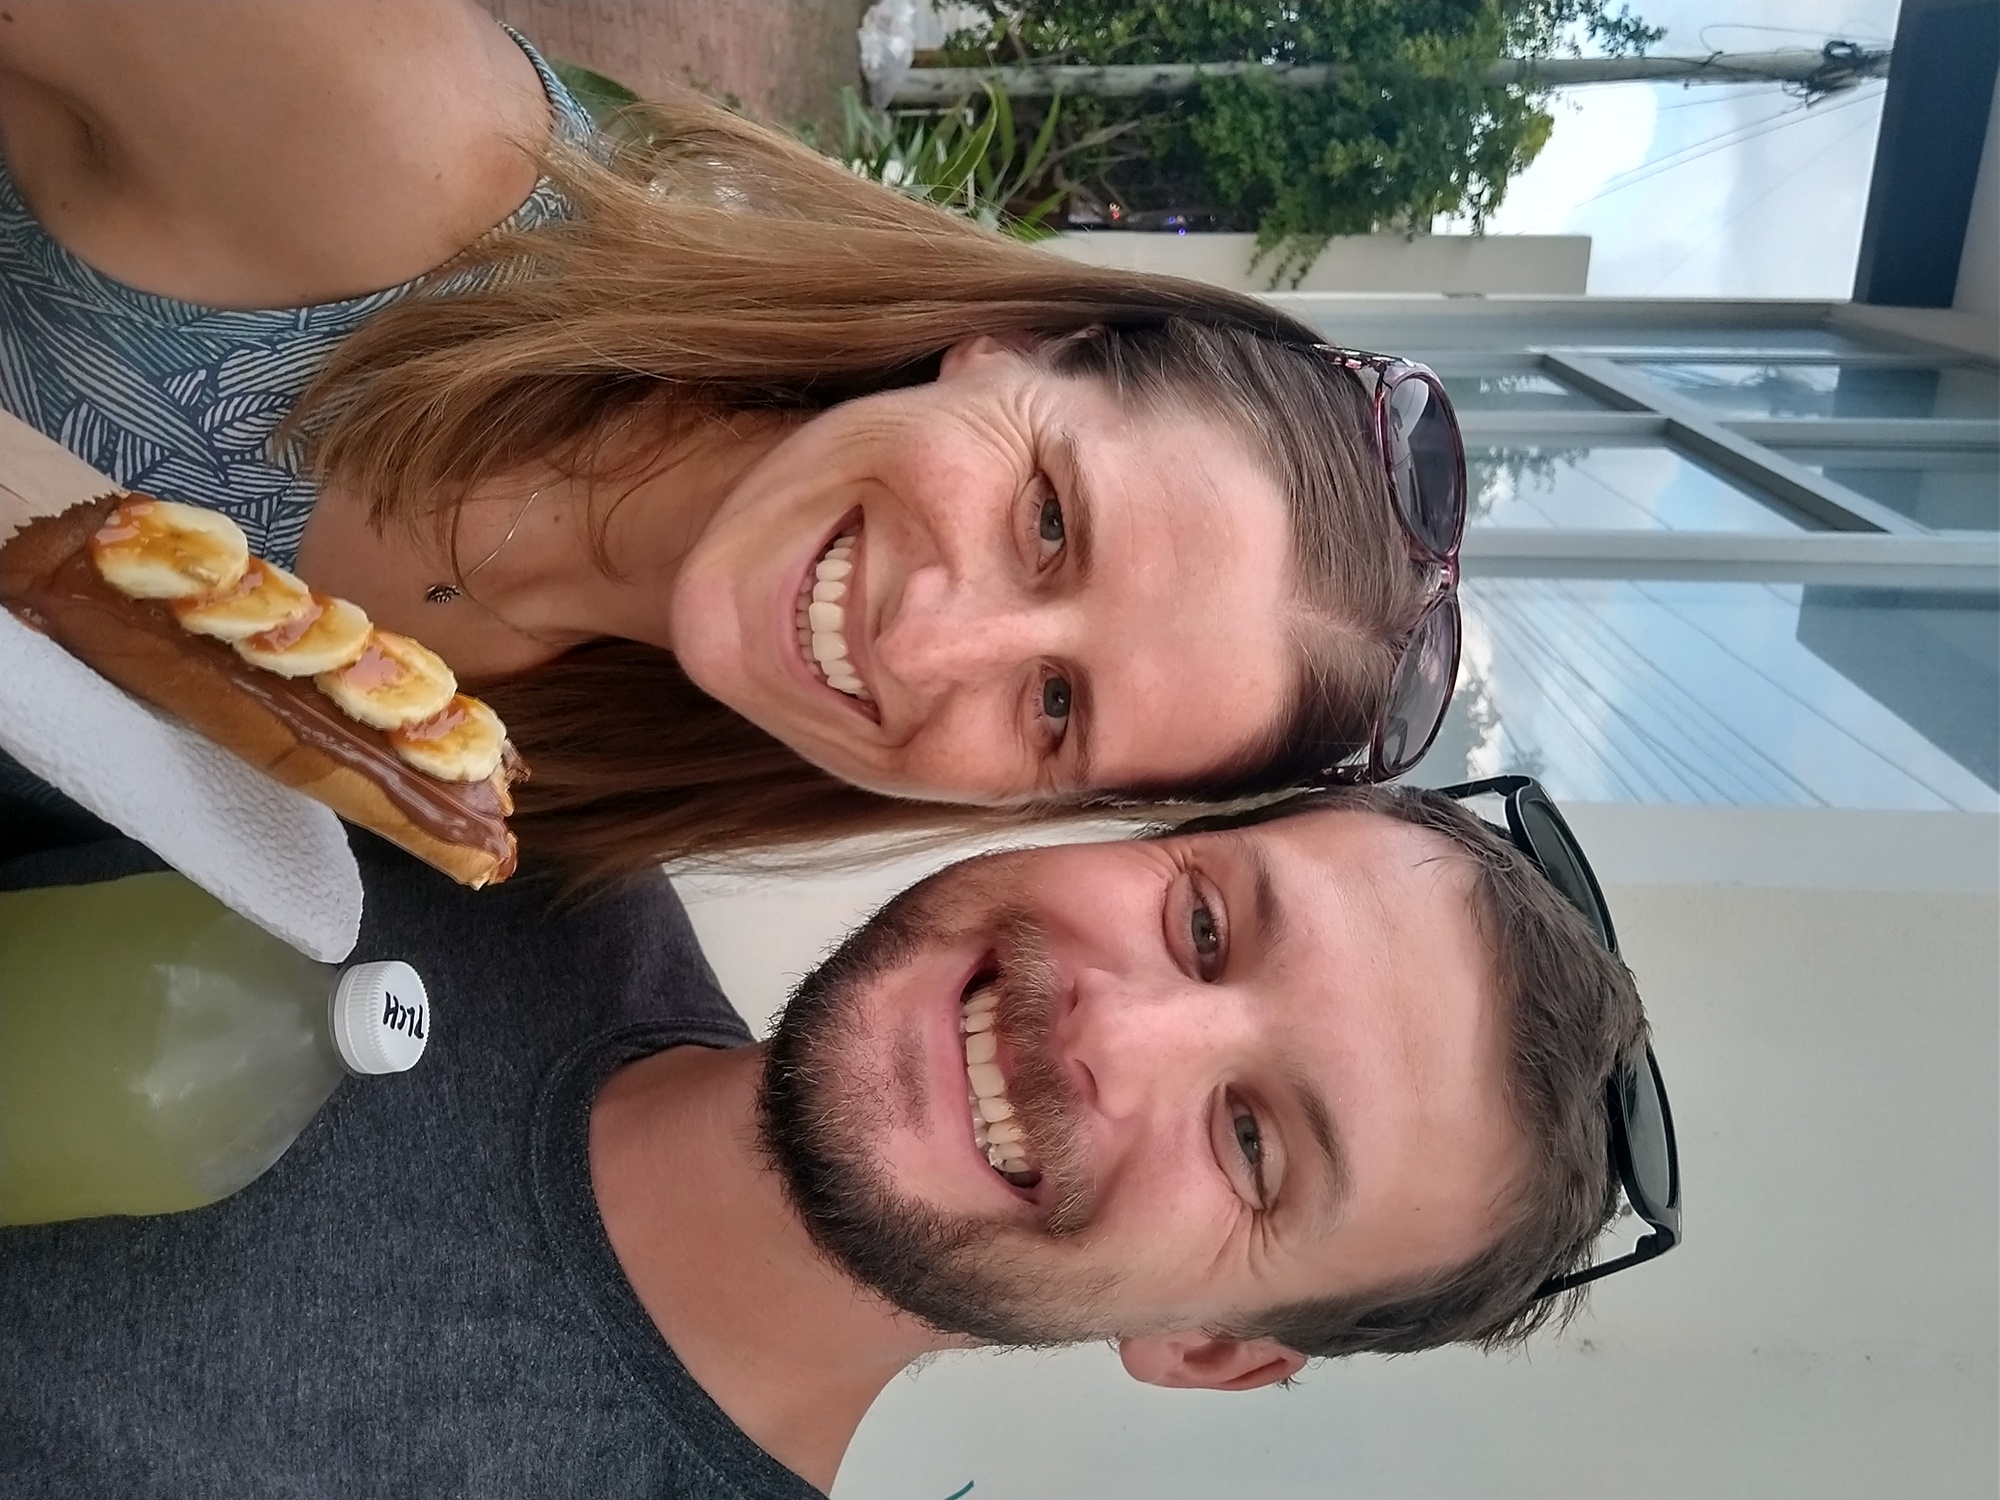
1406	131
969	158
602	96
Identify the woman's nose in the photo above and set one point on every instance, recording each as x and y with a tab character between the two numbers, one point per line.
948	632
1147	1039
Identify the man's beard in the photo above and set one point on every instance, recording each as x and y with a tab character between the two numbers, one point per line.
828	1096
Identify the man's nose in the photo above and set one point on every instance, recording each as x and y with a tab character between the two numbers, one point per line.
1146	1041
951	632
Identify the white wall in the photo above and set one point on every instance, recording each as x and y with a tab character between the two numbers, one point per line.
1459	264
1823	988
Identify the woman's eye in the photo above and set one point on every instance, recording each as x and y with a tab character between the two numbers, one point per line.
1055	700
1049	523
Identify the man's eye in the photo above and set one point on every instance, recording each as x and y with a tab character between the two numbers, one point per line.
1049	523
1207	937
1055	700
1250	1142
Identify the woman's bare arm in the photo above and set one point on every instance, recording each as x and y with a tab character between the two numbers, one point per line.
265	153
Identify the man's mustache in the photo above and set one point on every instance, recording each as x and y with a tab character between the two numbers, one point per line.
1028	985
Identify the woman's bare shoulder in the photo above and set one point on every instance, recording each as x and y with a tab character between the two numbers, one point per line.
251	153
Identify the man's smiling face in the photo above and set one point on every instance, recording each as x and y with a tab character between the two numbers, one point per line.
1235	1071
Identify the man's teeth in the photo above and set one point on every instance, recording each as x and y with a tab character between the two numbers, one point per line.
994	1127
823	617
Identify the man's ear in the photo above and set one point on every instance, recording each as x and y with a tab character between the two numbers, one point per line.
1203	1362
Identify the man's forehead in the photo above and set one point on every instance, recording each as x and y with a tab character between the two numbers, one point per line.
1322	854
1353	878
1348	846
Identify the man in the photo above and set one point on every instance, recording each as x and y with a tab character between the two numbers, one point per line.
1230	1097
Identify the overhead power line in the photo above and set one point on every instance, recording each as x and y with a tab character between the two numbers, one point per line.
1757	202
1824	70
1738	135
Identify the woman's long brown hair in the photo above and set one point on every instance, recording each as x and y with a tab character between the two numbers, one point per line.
711	266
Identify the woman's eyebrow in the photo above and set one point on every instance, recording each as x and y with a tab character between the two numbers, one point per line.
1079	515
1080	706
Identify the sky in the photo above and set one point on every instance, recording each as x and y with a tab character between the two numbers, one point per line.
1714	190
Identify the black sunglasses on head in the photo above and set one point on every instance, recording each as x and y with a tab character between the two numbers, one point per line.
1642	1125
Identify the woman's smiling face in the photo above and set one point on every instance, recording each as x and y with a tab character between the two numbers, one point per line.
1025	589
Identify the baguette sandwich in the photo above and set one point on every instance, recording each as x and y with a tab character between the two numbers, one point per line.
165	600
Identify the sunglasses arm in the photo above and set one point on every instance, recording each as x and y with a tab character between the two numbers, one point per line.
1648	1246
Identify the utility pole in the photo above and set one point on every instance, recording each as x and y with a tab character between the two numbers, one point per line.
1826	70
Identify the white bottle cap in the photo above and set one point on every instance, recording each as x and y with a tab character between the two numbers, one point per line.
381	1017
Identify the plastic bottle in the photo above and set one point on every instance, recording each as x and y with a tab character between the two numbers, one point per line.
159	1052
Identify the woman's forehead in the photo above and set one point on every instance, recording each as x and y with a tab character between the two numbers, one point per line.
1188	598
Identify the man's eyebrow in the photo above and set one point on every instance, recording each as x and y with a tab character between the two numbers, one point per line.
1263	889
1080	514
1306	1094
1319	1125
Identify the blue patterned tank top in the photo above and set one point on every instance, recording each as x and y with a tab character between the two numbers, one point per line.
176	399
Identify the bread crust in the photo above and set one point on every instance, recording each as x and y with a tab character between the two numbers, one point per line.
458	828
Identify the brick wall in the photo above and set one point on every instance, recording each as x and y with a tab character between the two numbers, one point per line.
781	60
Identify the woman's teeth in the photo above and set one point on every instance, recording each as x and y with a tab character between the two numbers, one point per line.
994	1126
823	618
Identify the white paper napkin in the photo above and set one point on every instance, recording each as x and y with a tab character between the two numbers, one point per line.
269	852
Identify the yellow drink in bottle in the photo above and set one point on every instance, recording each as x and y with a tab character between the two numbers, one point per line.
158	1051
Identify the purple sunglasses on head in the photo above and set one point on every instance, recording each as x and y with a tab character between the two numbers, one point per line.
1424	459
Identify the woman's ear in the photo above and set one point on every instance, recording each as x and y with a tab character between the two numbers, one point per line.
1204	1362
968	355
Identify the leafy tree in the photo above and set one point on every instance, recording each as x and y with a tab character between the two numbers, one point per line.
1406	130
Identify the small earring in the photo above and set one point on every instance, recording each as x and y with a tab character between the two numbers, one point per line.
441	593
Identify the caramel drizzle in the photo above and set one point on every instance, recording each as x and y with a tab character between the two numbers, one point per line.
371	673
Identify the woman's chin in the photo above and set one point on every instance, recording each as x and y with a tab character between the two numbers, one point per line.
707	641
906	788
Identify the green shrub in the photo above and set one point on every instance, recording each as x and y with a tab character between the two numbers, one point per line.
1408	130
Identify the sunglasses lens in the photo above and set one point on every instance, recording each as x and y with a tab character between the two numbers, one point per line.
1562	862
1429	481
1650	1181
1420	691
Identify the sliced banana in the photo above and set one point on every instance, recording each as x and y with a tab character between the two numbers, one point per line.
463	743
323	637
159	549
262	599
394	682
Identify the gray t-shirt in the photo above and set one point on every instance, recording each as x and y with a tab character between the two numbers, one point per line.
418	1299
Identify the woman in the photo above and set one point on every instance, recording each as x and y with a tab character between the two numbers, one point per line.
766	504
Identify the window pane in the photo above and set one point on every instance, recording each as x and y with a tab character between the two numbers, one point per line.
1831	390
1526	391
1463	326
1941	489
1743	694
1603	488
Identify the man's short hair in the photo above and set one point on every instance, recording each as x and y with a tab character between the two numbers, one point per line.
1572	1015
